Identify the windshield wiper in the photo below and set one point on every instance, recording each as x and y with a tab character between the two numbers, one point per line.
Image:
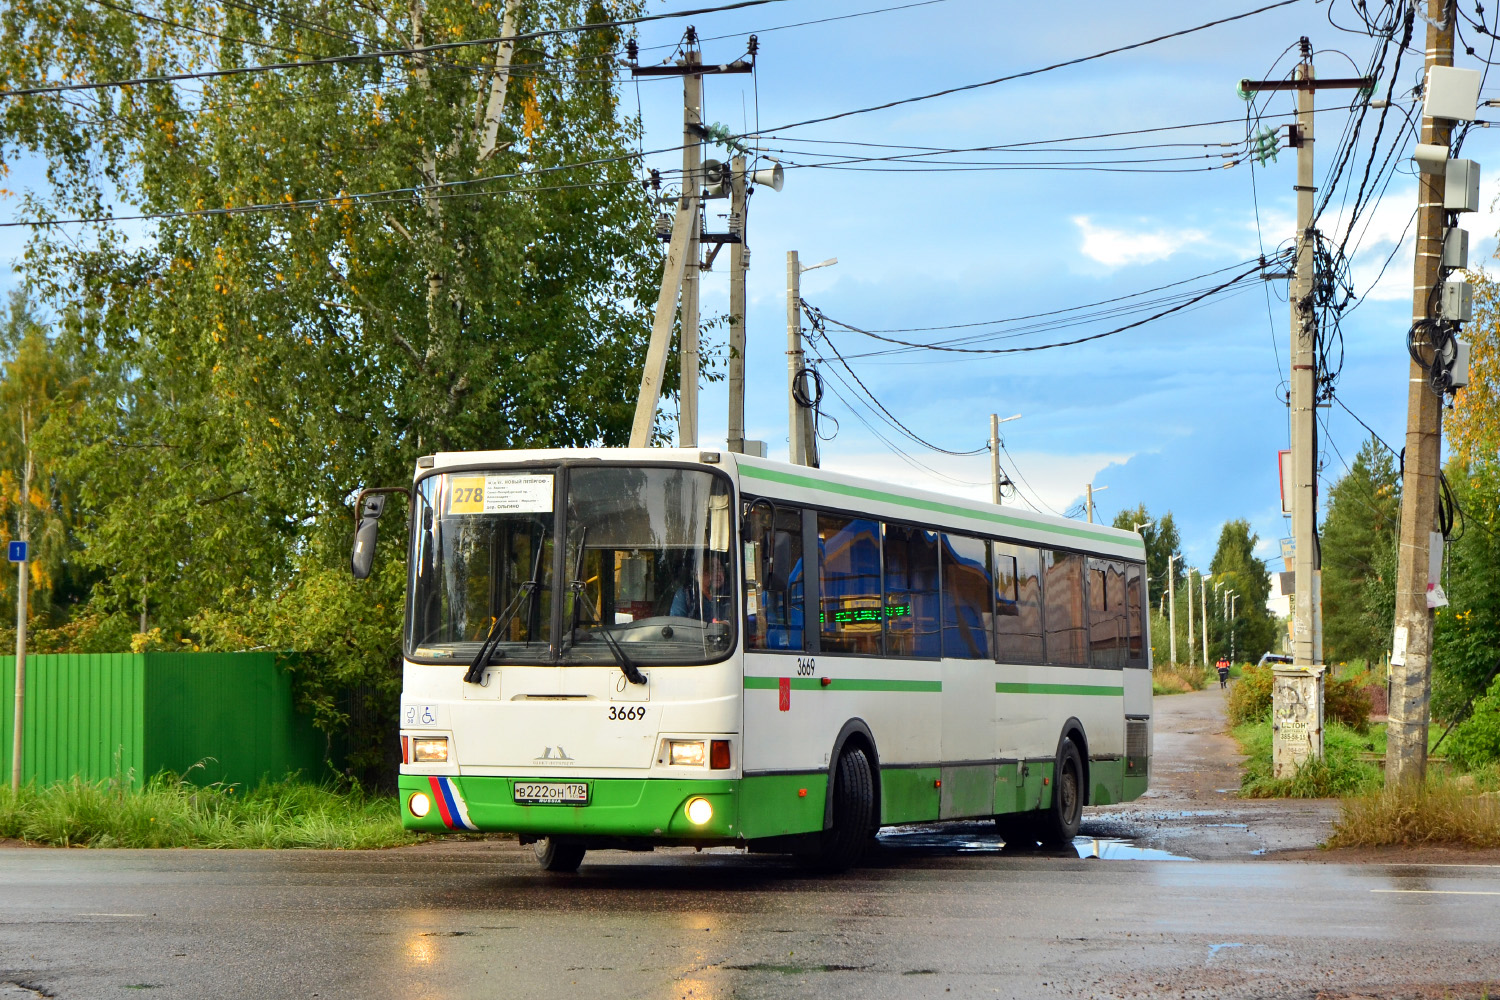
627	665
491	644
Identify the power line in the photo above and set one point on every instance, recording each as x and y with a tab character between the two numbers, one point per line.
385	53
1034	72
1042	347
800	24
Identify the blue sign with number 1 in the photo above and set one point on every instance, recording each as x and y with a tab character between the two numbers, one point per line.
17	552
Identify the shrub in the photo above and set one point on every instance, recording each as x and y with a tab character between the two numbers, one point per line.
1177	678
1347	702
1475	742
1340	771
1250	698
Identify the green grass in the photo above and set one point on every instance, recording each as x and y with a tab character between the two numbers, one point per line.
1339	772
170	812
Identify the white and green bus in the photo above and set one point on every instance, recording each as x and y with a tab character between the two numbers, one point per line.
617	648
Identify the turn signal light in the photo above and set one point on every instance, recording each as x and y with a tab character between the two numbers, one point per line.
718	755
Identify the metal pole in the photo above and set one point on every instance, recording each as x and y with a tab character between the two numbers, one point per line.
1411	678
795	439
995	457
23	587
692	157
737	210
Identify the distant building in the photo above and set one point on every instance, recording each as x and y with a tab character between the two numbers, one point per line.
1279	602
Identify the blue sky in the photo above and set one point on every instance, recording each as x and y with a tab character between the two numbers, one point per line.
1183	414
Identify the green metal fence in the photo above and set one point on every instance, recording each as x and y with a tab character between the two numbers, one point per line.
134	714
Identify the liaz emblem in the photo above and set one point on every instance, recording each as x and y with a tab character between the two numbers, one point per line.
549	757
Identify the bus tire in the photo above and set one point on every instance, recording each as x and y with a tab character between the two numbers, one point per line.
853	792
1059	824
555	857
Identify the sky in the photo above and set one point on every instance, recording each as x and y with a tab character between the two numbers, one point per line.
1184	414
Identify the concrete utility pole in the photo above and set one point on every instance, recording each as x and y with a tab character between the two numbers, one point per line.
692	275
1411	678
996	480
796	438
1297	694
1234	603
1203	596
23	588
1172	603
682	270
737	209
1191	643
1090	503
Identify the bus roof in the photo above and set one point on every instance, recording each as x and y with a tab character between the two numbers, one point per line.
825	488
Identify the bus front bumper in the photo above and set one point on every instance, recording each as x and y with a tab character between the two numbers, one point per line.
651	808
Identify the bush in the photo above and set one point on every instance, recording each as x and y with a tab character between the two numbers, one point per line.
1475	742
1344	701
1250	698
1443	812
171	812
1347	702
1340	771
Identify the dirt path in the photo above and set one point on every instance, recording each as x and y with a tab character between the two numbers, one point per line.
1192	807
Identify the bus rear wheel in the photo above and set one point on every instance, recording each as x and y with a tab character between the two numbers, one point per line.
1058	825
853	792
555	857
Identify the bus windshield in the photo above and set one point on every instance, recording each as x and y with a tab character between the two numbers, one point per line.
482	559
647	561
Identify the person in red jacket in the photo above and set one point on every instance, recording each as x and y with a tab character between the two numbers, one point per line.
1223	672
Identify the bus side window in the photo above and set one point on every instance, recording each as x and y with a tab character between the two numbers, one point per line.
775	581
849	599
968	598
1135	620
1018	603
911	592
1107	616
1066	635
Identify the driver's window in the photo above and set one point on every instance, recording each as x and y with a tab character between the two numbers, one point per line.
774	579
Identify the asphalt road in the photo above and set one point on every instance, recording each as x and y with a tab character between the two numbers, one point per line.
937	913
477	920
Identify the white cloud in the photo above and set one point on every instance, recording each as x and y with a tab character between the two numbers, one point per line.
1120	247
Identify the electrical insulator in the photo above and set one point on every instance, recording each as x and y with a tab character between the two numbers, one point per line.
745	258
664	226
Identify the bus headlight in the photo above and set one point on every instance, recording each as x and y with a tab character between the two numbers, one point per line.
419	804
699	811
430	750
685	753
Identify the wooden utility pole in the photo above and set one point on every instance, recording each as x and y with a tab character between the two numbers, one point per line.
1297	693
737	210
1411	678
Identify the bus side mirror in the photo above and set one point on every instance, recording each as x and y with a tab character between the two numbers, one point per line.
363	556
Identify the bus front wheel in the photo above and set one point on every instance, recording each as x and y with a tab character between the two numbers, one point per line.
1059	824
853	791
555	857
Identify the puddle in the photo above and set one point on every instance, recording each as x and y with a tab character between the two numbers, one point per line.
977	839
1110	849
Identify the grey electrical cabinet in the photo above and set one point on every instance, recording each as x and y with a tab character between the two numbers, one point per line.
1461	193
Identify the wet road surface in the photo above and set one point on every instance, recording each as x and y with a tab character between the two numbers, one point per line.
924	919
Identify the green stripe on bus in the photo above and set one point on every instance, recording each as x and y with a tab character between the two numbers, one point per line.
842	684
865	493
1112	692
